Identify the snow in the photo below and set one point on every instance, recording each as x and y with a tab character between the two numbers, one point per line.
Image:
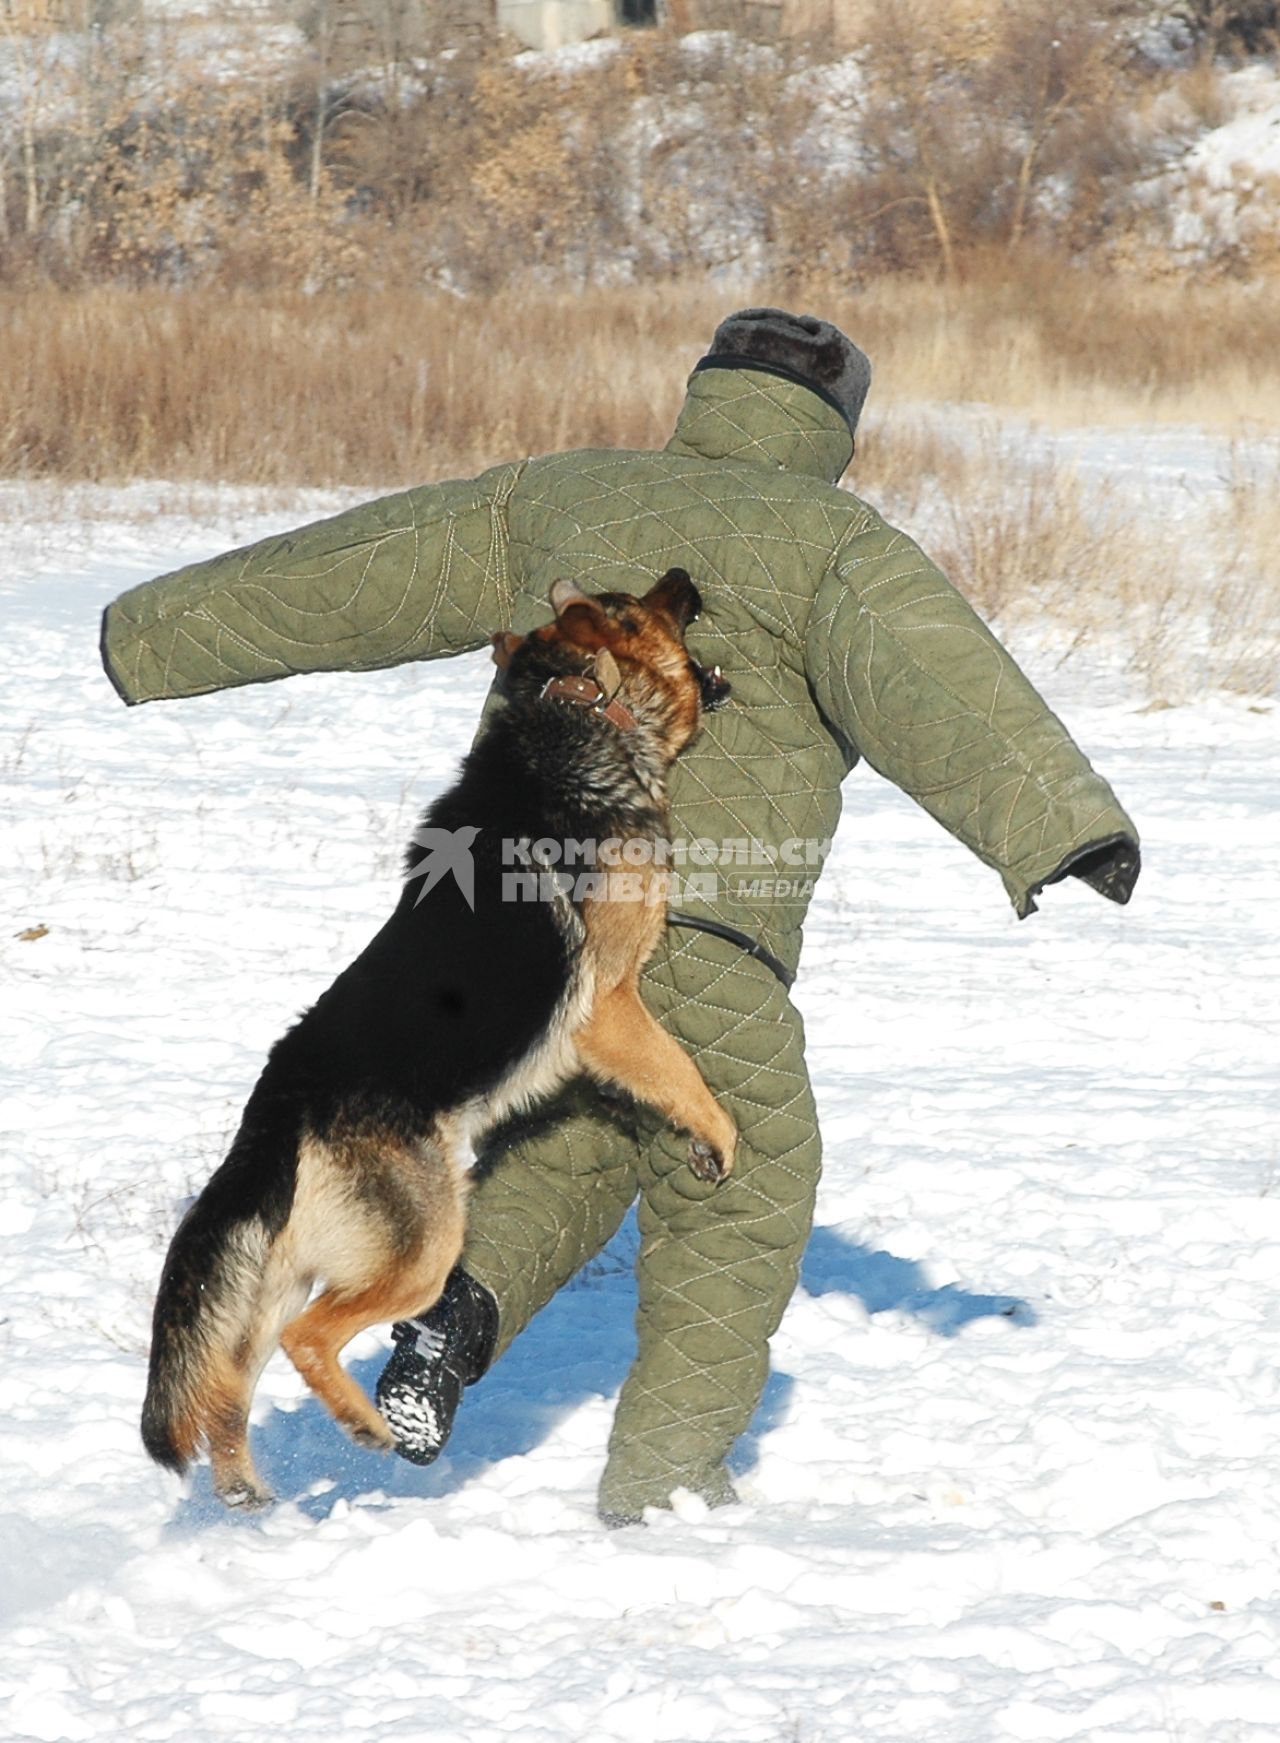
570	58
1220	192
1247	145
1013	1474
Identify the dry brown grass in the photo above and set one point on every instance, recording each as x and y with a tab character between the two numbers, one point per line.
1074	346
351	389
1022	540
388	387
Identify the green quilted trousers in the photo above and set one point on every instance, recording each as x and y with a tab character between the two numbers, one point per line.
717	1265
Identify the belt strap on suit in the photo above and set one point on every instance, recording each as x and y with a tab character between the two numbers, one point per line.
718	929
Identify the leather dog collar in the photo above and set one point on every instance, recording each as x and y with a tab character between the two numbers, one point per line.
587	693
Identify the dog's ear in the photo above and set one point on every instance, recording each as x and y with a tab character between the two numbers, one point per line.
676	594
505	644
579	618
565	593
608	676
580	624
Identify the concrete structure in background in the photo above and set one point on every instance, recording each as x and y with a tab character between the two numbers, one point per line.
552	23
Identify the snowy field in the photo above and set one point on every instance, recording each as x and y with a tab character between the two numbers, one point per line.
1014	1476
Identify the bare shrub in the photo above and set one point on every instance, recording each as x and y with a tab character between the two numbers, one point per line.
985	126
431	153
1241	26
1200	86
657	157
216	194
139	164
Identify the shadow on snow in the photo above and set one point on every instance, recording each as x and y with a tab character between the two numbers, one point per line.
578	1348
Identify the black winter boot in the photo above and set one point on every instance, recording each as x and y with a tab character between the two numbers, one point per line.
450	1347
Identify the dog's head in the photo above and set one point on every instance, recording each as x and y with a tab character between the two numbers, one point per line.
633	648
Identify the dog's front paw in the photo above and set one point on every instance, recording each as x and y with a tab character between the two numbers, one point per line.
709	1163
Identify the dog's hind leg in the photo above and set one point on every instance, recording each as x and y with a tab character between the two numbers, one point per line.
390	1219
235	1477
236	1374
317	1337
623	1043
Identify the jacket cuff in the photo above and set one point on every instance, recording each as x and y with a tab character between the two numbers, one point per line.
108	665
1110	866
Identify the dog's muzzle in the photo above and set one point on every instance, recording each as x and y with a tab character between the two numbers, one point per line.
713	686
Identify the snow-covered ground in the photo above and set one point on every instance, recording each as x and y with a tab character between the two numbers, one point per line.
1014	1475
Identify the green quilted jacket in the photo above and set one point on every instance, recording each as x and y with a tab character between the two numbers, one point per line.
840	638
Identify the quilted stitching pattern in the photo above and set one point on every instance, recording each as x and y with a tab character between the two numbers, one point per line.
739	414
936	704
717	1265
411	576
838	633
547	1202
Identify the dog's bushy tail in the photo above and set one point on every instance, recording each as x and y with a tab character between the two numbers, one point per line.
211	1286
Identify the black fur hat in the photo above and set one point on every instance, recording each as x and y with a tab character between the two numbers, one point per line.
800	347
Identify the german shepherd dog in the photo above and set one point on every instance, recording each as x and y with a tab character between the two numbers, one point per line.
349	1169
